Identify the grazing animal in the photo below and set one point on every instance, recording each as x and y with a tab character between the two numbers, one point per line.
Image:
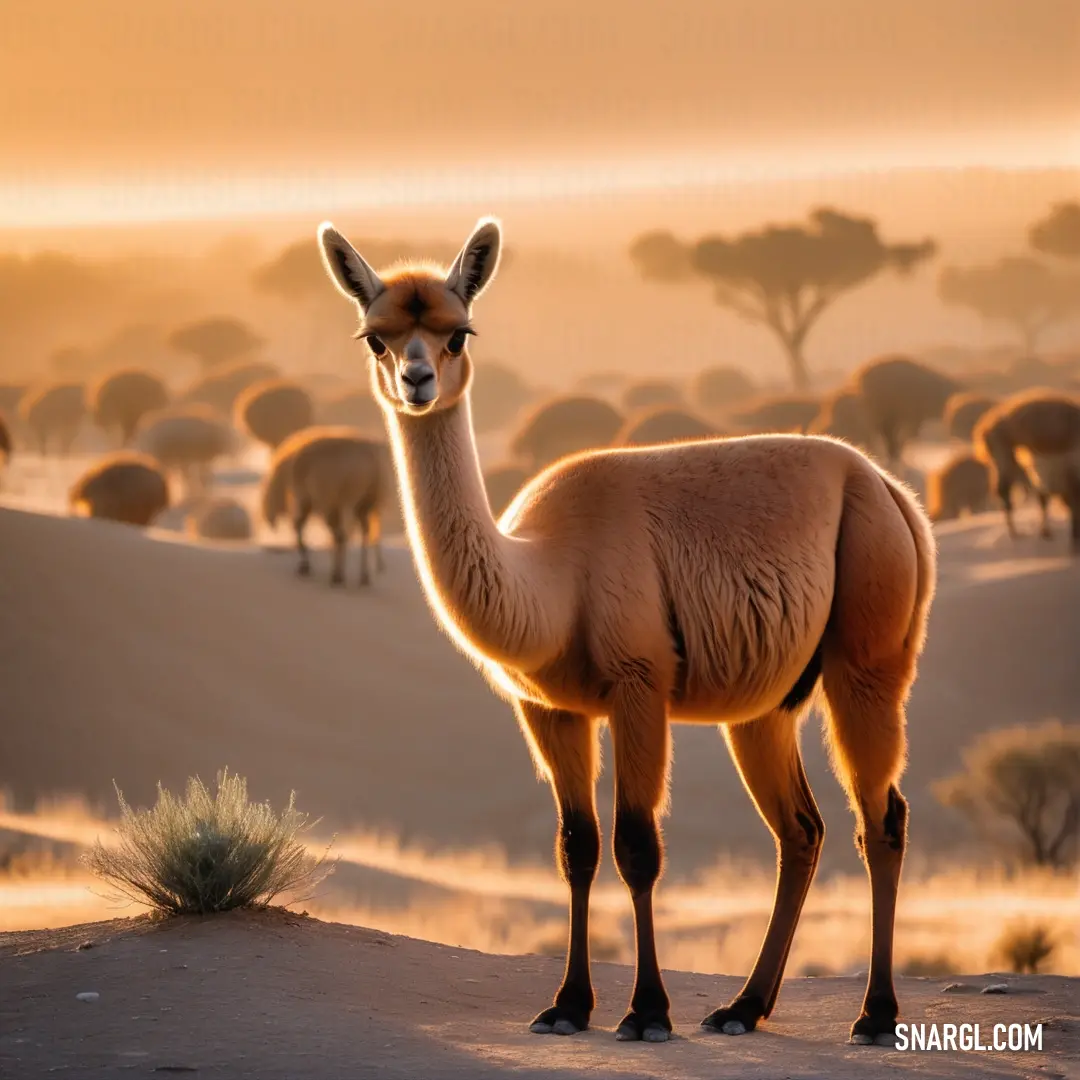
125	487
788	412
901	395
122	399
843	415
664	425
187	438
651	394
565	425
219	518
272	410
351	408
340	475
716	389
964	410
1033	439
221	387
714	581
54	410
962	483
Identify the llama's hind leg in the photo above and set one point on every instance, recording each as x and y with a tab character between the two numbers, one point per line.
866	734
642	745
365	544
766	752
300	517
565	749
336	525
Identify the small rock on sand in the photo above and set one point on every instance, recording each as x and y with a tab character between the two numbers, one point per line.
87	995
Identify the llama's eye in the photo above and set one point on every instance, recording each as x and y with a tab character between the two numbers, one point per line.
456	342
375	345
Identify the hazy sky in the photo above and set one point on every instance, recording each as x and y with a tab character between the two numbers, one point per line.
159	92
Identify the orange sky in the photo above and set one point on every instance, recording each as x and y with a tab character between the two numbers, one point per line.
158	92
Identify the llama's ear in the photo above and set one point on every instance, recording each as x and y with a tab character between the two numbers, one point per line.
347	267
477	261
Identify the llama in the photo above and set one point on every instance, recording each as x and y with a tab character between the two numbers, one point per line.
1033	439
962	483
710	582
340	475
127	487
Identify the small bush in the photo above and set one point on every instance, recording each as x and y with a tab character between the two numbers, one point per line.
1025	948
923	967
208	852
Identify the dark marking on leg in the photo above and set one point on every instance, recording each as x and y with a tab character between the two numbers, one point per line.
805	684
896	820
639	858
578	848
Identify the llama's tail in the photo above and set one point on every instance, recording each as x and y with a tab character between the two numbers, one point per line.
907	502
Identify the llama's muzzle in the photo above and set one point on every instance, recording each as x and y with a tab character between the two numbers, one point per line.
417	378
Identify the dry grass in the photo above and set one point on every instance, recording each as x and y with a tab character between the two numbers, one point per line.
207	851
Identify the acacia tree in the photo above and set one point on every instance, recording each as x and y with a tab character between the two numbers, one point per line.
782	277
1023	784
1018	289
1059	232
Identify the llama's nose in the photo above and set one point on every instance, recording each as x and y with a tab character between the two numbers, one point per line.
418	382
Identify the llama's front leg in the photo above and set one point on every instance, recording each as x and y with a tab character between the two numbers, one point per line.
642	744
300	517
564	747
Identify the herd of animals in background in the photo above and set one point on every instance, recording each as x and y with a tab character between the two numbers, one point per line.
1014	427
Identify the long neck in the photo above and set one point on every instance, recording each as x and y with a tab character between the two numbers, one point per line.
486	587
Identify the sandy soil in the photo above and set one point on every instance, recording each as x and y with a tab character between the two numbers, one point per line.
276	995
131	659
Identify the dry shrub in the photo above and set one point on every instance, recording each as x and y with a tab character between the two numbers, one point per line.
208	852
1025	948
1023	784
935	966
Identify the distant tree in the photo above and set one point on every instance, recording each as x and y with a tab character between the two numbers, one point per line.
216	340
783	277
1018	289
1023	783
1059	232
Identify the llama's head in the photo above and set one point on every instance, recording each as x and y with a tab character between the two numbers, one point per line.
415	319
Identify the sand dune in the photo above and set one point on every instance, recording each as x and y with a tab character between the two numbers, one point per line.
275	995
129	659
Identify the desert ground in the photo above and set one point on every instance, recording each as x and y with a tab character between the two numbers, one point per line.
276	995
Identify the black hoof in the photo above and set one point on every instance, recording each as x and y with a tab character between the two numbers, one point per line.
643	1027
741	1016
560	1020
876	1025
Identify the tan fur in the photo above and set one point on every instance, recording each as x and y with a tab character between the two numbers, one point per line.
698	582
1032	439
338	474
962	483
125	487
